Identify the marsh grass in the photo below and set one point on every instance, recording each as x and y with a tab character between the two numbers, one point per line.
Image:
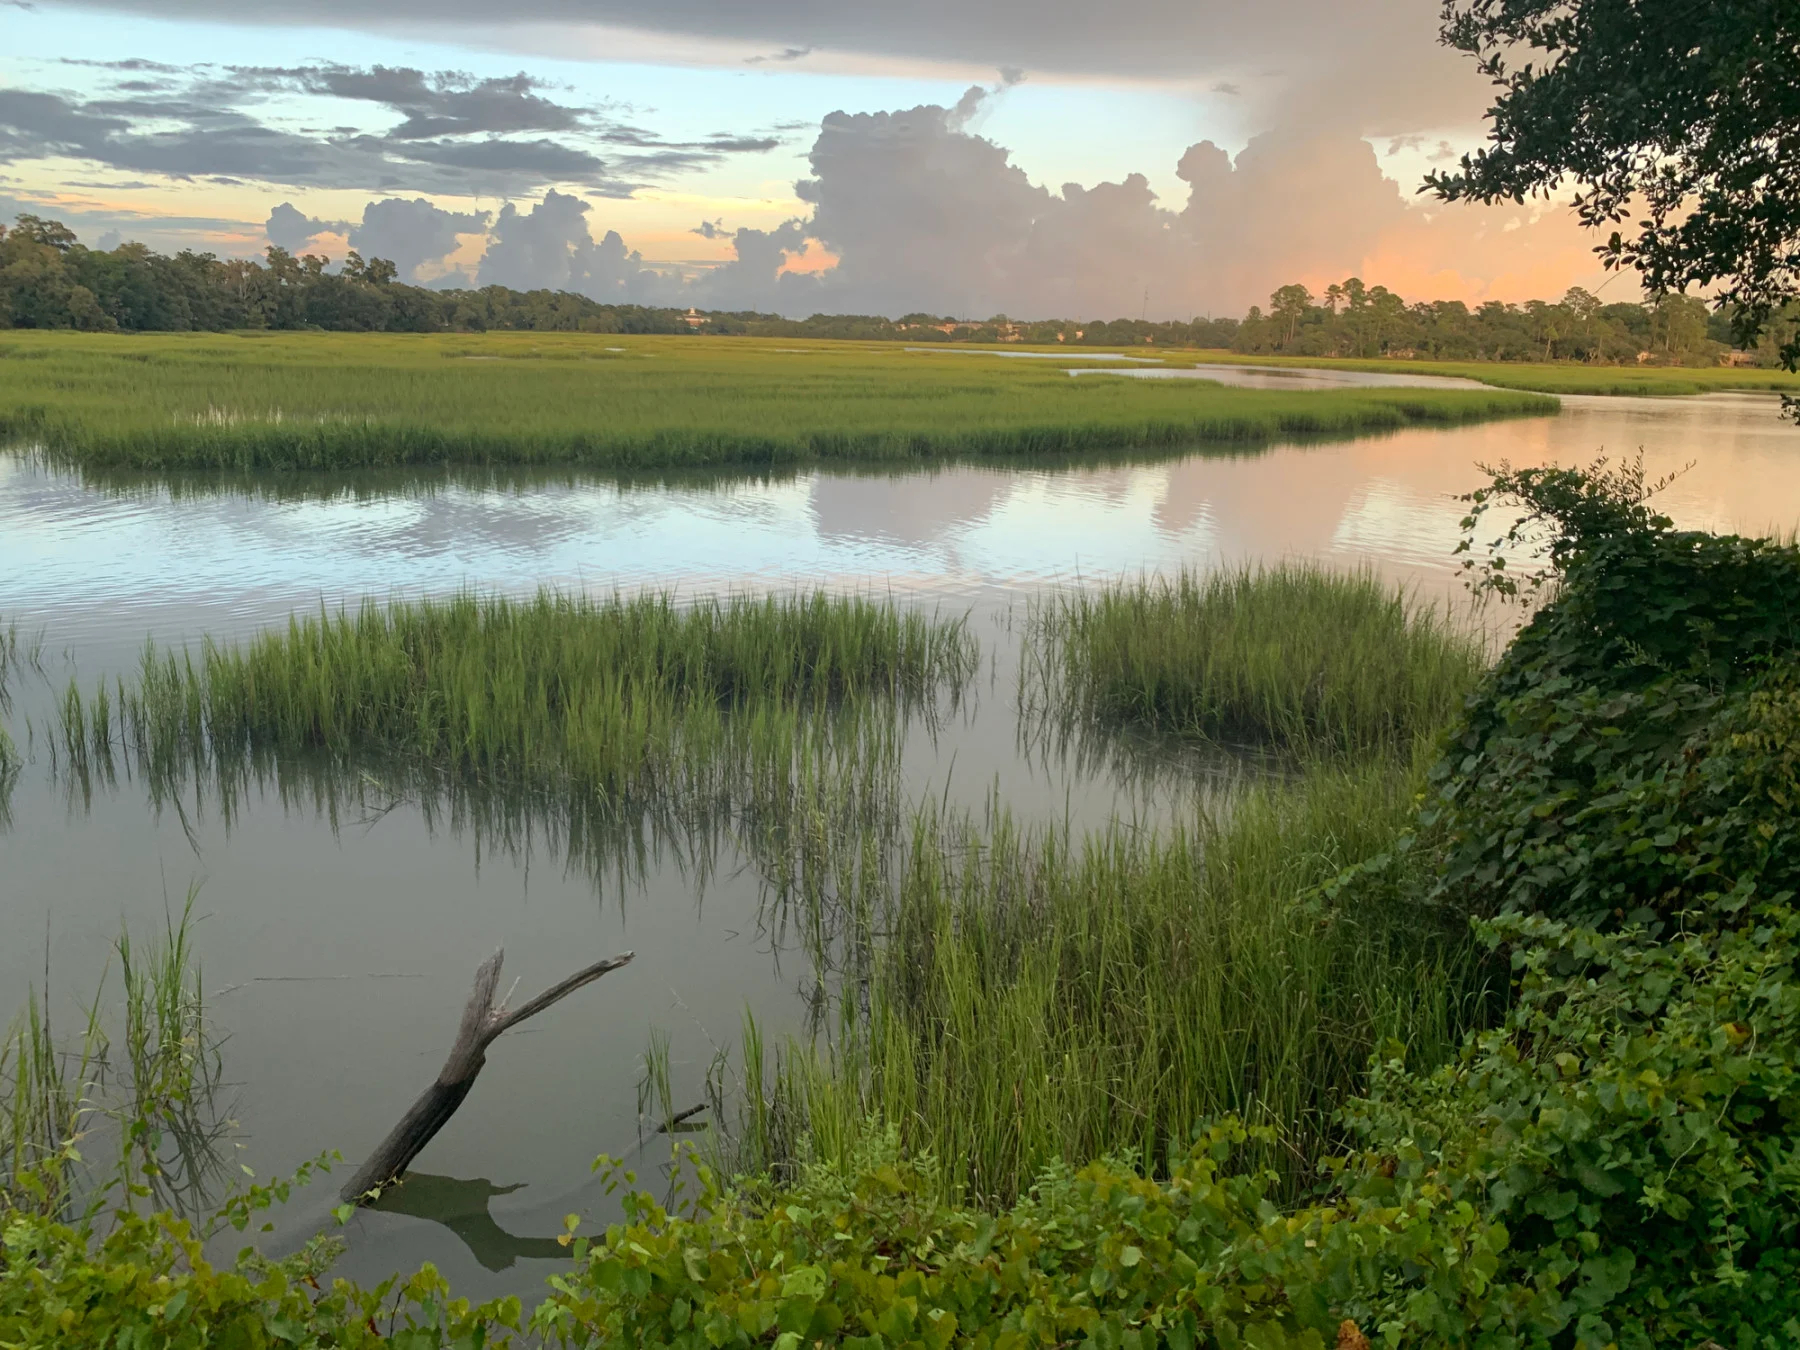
1293	656
1022	996
128	1113
19	653
1005	998
336	401
620	699
618	735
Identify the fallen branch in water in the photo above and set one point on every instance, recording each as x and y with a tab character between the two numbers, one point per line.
669	1125
482	1024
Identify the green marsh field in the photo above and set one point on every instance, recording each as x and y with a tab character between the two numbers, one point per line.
353	401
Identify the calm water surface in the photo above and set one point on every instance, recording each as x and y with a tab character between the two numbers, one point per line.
338	945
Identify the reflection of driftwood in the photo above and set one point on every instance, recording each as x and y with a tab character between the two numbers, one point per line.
482	1023
462	1206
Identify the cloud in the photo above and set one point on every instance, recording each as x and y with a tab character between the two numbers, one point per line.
411	234
754	279
447	104
454	134
292	229
1376	67
550	247
784	55
923	214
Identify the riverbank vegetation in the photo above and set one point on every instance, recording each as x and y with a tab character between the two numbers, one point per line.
312	401
1488	1037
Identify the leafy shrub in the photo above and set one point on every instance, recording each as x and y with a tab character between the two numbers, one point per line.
1629	754
147	1283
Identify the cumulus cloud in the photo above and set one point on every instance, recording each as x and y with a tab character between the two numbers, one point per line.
923	214
755	279
412	234
551	247
292	229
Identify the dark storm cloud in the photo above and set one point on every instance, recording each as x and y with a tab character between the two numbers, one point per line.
430	104
1375	66
455	134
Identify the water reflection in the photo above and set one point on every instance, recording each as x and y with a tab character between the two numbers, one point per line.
461	1205
104	565
1292	379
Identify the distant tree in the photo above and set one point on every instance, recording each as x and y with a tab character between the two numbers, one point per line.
1683	113
1678	326
50	233
1289	307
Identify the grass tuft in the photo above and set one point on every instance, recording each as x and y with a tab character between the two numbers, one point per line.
1295	656
627	702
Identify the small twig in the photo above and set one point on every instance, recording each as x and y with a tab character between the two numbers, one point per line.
676	1119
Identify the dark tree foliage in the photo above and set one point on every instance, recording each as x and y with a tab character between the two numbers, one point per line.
1684	113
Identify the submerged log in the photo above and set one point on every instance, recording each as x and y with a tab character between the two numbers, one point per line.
482	1023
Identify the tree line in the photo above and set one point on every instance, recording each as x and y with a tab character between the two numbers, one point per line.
48	279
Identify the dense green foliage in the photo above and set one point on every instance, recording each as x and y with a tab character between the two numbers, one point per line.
1631	759
1293	656
48	280
315	401
1681	119
1358	321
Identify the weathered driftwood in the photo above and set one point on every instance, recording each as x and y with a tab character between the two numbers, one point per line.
482	1023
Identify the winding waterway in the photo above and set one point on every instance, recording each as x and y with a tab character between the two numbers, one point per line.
339	938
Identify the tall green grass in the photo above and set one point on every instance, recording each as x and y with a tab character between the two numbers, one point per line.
19	653
128	1111
1023	996
622	702
338	401
1004	998
1293	655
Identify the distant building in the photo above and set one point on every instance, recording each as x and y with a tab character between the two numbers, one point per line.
694	319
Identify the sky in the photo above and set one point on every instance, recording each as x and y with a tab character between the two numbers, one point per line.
1037	158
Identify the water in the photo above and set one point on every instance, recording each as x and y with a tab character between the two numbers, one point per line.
1290	378
339	947
1033	356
